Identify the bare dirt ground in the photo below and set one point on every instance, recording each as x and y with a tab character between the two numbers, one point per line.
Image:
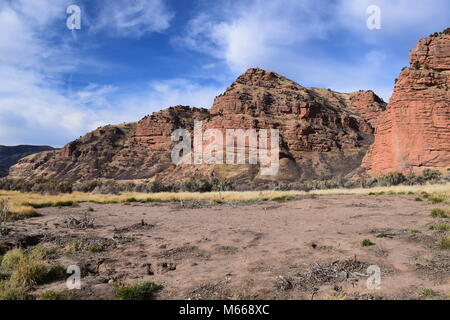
308	248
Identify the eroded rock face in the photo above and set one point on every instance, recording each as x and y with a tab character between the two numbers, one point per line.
153	132
414	132
432	52
127	151
323	133
368	105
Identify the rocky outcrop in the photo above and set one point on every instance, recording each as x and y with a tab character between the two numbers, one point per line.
323	133
414	133
368	105
10	155
134	150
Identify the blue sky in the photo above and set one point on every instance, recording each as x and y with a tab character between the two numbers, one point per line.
134	57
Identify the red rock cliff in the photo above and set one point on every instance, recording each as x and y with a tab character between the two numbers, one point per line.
414	132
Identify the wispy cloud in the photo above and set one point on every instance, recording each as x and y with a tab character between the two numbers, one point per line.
253	32
183	92
132	17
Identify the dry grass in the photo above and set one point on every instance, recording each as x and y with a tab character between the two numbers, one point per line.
21	270
23	205
4	211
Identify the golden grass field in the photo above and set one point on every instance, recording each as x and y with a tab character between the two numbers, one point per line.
22	205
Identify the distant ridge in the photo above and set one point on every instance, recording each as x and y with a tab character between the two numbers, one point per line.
10	155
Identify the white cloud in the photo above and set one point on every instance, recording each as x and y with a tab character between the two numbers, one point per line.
182	92
28	103
254	32
288	37
43	116
34	106
132	17
25	31
40	12
94	95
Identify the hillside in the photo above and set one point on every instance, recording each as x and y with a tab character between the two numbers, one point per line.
323	133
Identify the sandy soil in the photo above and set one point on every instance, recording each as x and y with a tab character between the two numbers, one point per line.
309	248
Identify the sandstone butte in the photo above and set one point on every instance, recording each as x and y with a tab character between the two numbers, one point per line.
323	133
414	132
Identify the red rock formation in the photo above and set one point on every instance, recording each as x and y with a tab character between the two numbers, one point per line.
153	132
322	133
368	104
414	132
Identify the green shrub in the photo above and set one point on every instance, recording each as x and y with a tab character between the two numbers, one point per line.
142	291
200	185
39	185
438	213
367	243
441	227
53	295
435	200
95	249
411	179
283	198
108	187
385	235
444	243
428	293
392	179
155	187
21	215
86	186
431	175
54	273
